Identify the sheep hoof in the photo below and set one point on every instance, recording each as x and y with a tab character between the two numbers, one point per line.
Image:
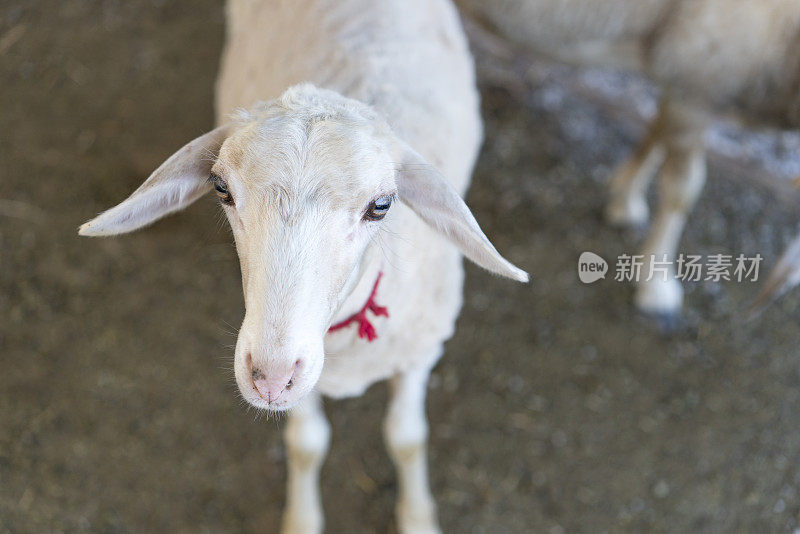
299	524
627	212
658	297
419	528
667	324
420	520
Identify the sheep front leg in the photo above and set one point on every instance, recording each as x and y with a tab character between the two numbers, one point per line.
680	183
406	434
307	436
627	203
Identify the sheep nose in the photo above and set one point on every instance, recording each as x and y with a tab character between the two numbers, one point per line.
272	386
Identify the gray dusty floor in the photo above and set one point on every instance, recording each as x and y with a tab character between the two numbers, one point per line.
557	407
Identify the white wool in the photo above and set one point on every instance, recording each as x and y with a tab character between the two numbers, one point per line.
326	108
408	60
738	57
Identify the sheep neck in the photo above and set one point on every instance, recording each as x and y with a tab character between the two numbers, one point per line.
365	328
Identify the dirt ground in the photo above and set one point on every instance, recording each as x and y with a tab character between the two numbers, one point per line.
556	409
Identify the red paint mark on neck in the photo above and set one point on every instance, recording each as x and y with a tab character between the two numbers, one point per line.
365	328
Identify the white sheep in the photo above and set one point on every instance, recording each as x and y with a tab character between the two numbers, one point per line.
737	57
343	286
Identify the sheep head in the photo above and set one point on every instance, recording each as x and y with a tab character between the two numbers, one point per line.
306	182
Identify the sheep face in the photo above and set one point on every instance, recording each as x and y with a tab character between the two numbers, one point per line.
304	196
305	182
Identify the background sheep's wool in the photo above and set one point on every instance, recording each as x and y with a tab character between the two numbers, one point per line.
555	409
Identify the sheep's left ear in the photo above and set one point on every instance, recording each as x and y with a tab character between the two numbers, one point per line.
430	195
178	182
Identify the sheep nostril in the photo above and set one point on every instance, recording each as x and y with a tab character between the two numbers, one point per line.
257	374
271	385
297	366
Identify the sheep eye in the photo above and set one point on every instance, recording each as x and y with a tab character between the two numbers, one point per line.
378	208
221	188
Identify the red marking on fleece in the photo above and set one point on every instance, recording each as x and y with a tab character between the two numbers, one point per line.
365	328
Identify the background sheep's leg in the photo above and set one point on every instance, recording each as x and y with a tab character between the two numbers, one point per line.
627	203
307	436
406	433
680	183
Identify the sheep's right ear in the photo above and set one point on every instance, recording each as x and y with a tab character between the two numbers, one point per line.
421	187
178	182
